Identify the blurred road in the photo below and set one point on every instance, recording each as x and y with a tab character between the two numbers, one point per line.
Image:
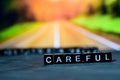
57	34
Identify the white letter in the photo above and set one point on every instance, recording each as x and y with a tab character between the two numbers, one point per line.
49	59
68	58
58	60
106	57
87	57
77	58
96	57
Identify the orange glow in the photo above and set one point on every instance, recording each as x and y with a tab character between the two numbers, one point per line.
47	10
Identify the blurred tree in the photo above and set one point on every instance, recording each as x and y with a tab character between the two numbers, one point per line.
103	8
24	14
90	9
7	15
116	8
11	17
1	9
4	5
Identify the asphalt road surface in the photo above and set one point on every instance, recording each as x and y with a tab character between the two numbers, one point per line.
58	34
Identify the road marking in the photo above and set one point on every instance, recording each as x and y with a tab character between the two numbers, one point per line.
56	36
98	38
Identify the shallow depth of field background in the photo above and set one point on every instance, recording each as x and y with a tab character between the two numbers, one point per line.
99	16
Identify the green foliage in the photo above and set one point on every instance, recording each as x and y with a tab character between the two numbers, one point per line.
18	29
99	22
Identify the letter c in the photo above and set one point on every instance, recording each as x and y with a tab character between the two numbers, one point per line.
48	60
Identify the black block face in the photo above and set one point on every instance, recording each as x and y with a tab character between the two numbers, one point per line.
108	57
84	55
87	58
28	51
7	52
33	51
103	57
48	50
69	58
48	59
2	52
94	49
98	57
14	52
59	59
40	51
61	50
71	50
77	58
